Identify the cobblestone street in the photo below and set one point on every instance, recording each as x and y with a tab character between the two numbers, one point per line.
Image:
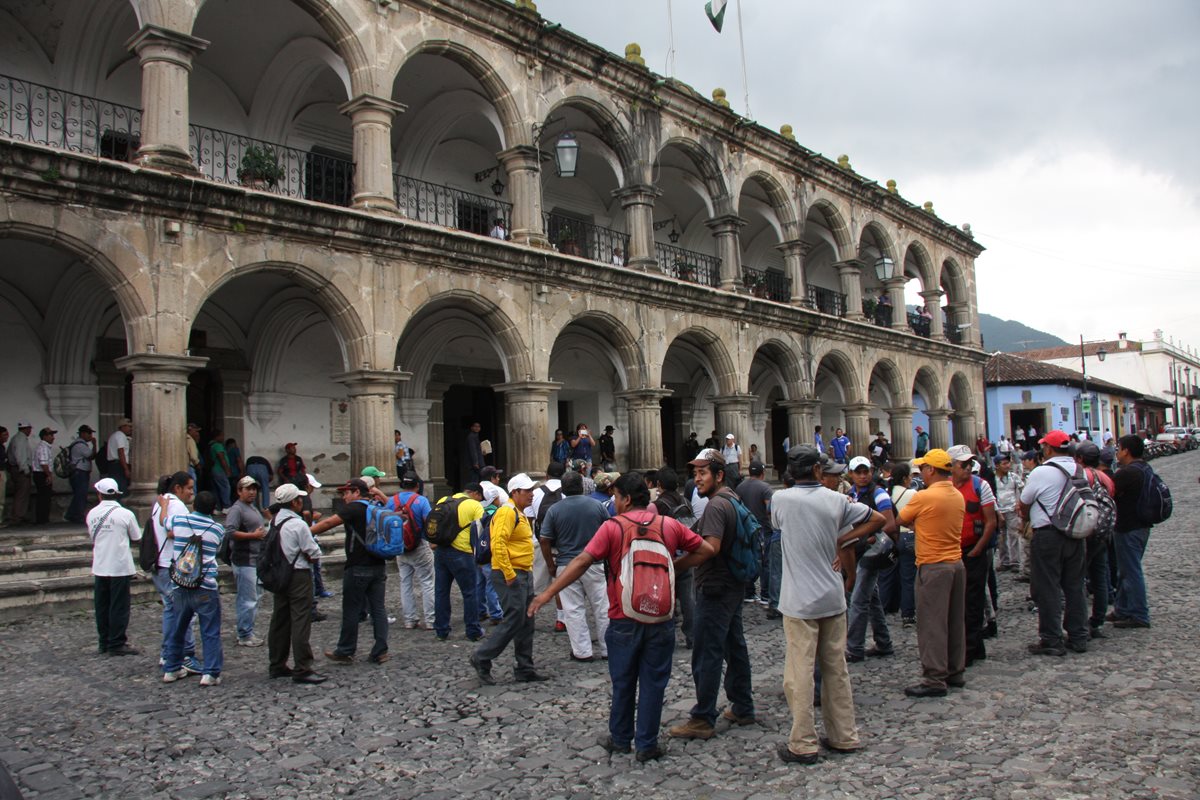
1121	721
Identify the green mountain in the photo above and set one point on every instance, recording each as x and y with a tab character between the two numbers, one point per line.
1010	336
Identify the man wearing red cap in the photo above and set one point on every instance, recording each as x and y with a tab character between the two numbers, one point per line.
291	466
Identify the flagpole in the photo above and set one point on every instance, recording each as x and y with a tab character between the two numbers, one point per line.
742	46
670	42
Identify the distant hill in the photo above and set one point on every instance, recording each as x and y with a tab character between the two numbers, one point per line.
1010	336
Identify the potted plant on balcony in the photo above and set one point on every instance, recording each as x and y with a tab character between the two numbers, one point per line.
868	307
259	168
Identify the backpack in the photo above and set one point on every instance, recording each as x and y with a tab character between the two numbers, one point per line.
441	526
745	554
1077	512
481	538
384	536
1154	504
684	515
148	549
102	457
62	463
274	572
1108	511
412	531
187	571
549	498
647	571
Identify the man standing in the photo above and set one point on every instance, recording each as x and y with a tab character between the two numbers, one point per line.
881	451
291	619
202	601
582	444
922	442
43	477
865	604
936	516
978	528
1131	609
417	565
1008	494
81	453
568	527
403	453
812	600
453	564
1057	561
364	578
472	454
176	493
118	454
755	494
718	639
245	524
20	471
732	453
291	466
512	576
608	449
1087	454
219	468
841	446
639	653
818	441
192	442
112	528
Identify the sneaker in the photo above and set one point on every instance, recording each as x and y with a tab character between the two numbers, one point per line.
762	601
692	729
908	622
210	680
338	658
653	754
786	755
171	677
728	714
325	594
251	641
193	666
751	599
391	620
1097	633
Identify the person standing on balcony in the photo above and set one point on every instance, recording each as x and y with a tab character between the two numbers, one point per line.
841	446
498	230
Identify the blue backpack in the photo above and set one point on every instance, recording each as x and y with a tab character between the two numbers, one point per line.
745	555
481	538
385	531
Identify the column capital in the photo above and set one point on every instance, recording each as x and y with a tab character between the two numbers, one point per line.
932	294
160	367
643	396
803	404
372	381
533	388
794	247
156	43
901	411
896	282
938	413
521	156
735	399
370	102
857	410
850	264
725	224
637	194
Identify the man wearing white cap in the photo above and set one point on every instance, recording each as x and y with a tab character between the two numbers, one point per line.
732	453
20	468
291	619
111	528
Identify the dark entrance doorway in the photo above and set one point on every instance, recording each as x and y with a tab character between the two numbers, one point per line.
1023	419
671	410
461	406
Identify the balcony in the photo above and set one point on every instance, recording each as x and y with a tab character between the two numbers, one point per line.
827	301
223	157
452	208
953	334
574	237
769	284
918	324
688	265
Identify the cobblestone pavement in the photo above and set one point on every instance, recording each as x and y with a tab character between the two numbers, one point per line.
1118	722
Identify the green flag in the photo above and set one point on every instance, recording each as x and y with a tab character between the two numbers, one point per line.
716	13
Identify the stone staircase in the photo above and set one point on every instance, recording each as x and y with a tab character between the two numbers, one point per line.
47	568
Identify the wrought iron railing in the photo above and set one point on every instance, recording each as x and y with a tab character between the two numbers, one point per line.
769	284
31	112
920	325
827	301
577	238
687	265
453	208
953	333
219	155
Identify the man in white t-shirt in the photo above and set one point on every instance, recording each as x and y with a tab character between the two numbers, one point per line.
118	454
111	528
812	599
172	503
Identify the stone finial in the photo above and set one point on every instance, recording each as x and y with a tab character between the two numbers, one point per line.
891	187
966	228
844	161
633	54
719	97
527	5
928	206
786	132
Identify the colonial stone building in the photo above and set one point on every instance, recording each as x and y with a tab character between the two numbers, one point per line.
272	217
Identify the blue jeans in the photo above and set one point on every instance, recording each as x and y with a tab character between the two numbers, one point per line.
260	474
221	487
865	606
205	604
485	593
450	565
1131	593
249	592
907	568
170	615
764	570
363	587
775	567
718	639
79	491
639	663
1097	580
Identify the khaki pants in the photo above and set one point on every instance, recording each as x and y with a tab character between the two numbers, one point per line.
941	628
810	640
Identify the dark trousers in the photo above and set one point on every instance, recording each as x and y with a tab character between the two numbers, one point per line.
363	589
977	576
517	625
291	624
110	597
44	485
1096	554
685	593
639	664
79	491
1057	567
719	641
889	588
455	566
907	571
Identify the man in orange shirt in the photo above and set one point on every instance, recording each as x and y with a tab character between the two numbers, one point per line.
936	515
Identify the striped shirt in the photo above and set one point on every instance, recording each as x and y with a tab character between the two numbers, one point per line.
185	526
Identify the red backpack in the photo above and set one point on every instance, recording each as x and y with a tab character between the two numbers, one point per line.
412	533
647	574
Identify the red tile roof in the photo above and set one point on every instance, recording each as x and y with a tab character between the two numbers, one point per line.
1010	370
1072	350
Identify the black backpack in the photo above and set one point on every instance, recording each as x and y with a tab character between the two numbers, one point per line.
148	549
274	571
549	498
1154	504
441	526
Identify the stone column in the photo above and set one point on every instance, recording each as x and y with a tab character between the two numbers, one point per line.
895	290
371	118
638	203
160	384
939	429
858	428
850	273
964	428
729	249
415	413
166	59
644	409
372	417
437	435
933	304
794	252
901	420
733	416
800	420
524	166
234	384
527	415
958	316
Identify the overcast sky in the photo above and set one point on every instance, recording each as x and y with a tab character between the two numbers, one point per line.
1066	133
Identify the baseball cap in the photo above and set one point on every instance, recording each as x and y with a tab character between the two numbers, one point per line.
1056	439
355	483
1029	455
46	430
960	452
124	421
489	472
1107	454
24	424
491	492
920	428
246	481
730	436
1001	457
523	481
86	429
804	457
604	480
936	458
312	480
367	481
834	468
1089	452
409	479
859	461
288	492
609	429
756	468
373	472
708	456
289	444
107	486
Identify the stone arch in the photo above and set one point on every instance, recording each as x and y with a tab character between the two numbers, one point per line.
960	396
709	170
72	321
928	386
437	118
892	379
777	198
882	241
834	221
954	282
287	77
613	133
839	364
620	346
712	353
916	257
780	358
274	329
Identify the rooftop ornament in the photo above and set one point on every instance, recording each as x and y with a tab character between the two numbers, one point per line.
891	187
786	132
719	97
928	207
633	54
843	161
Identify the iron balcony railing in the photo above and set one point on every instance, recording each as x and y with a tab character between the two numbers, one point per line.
769	284
574	237
687	265
953	333
920	325
453	208
827	301
37	114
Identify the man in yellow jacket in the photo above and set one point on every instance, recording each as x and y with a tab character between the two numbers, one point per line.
512	577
